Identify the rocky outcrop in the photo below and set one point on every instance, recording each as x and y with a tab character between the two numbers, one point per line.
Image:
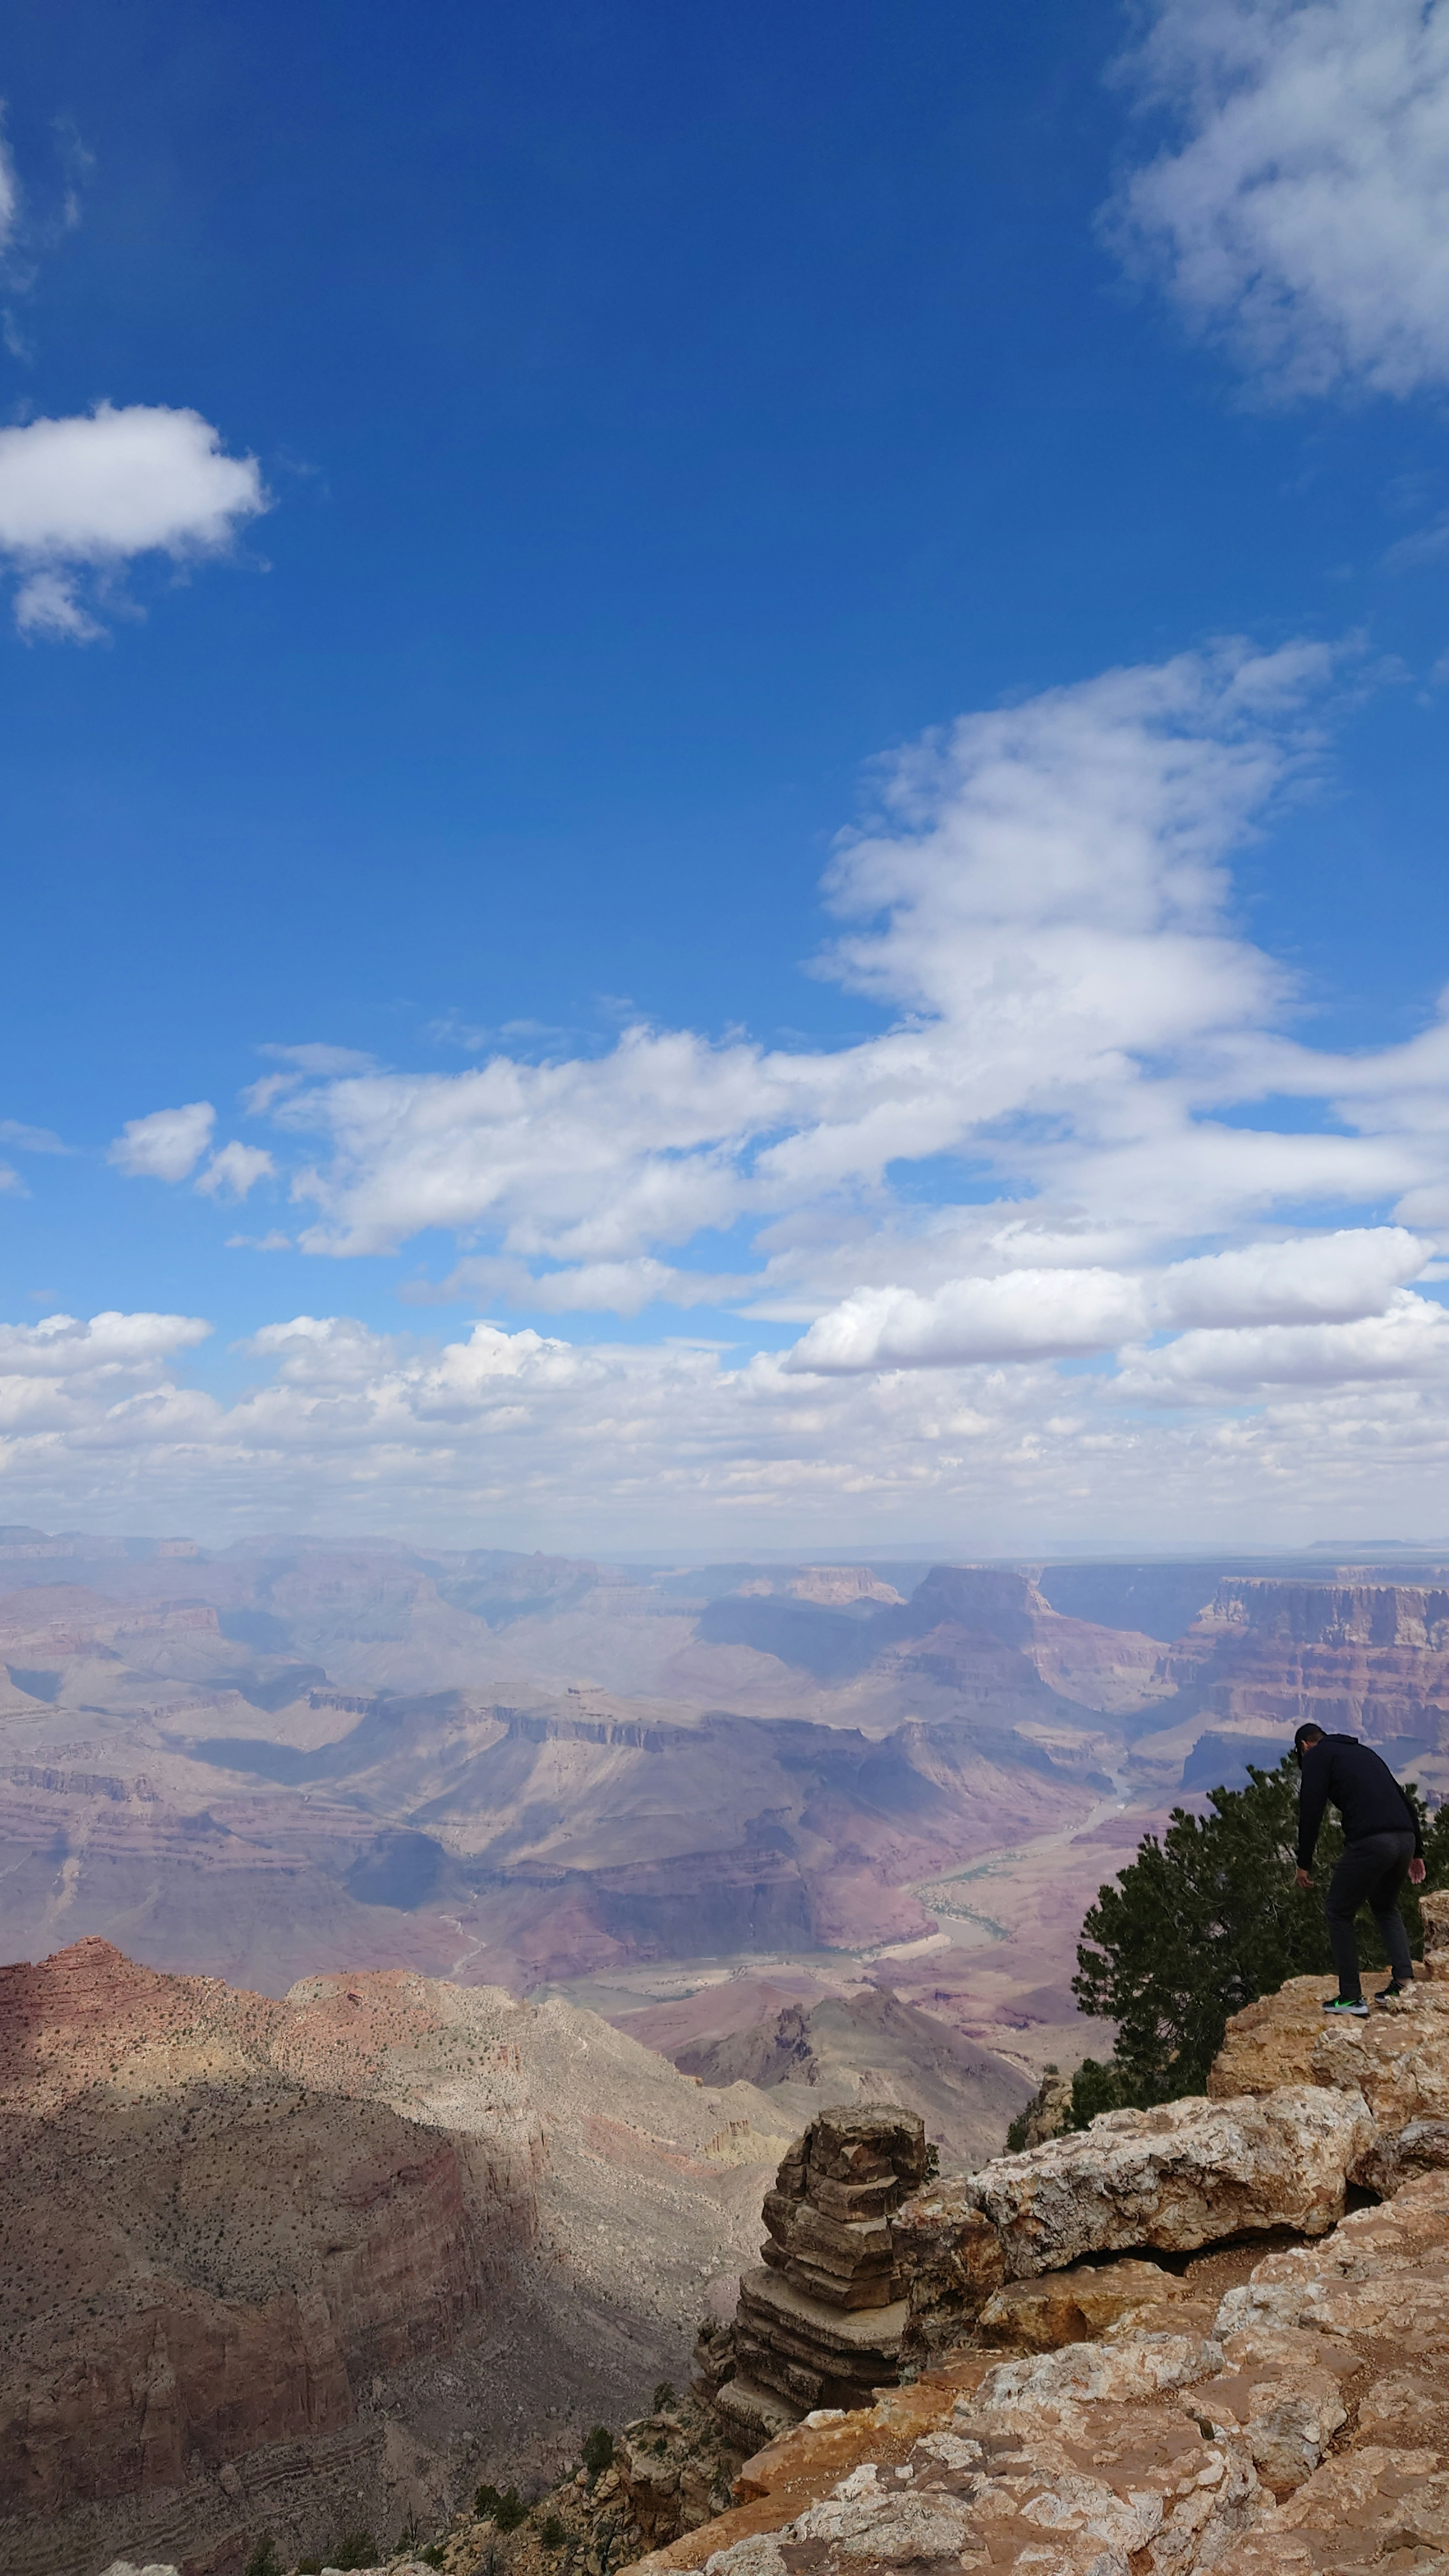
1050	2109
819	2323
1398	2059
1300	2424
1187	2174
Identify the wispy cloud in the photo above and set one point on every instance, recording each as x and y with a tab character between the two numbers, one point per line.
1300	211
235	1171
31	1140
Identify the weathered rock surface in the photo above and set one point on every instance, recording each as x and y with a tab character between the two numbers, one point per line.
1307	2432
1185	2175
1398	2059
1078	2305
819	2323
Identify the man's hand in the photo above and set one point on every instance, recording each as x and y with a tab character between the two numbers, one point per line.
1305	1878
1416	1873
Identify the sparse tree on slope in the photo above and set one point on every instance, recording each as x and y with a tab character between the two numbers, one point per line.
1204	1922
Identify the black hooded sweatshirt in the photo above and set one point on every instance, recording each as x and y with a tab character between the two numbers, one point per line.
1360	1786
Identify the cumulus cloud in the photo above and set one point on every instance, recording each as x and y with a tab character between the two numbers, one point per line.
1091	1061
235	1170
1046	1314
1302	208
1045	905
80	498
1042	900
1057	1314
166	1145
524	1439
1410	1339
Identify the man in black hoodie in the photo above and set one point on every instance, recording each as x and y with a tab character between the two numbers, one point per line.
1383	1842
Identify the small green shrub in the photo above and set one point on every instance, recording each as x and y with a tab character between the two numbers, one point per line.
356	2549
599	2451
664	2395
309	2567
432	2556
933	2162
1016	2136
264	2560
551	2531
486	2502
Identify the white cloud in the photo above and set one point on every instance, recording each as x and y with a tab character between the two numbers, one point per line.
235	1170
1303	210
1320	1278
1410	1339
1046	1314
30	1140
9	194
62	1347
1044	904
85	496
590	1288
166	1145
48	604
1054	1314
1074	1022
523	1439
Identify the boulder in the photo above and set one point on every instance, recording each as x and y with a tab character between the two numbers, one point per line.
1183	2175
1076	2306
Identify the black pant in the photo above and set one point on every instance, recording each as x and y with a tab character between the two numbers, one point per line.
1371	1872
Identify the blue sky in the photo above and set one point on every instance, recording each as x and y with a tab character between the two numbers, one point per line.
559	467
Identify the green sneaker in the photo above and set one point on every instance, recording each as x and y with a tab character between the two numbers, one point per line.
1345	2004
1390	1993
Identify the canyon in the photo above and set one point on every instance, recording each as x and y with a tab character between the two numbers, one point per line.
694	1799
424	1964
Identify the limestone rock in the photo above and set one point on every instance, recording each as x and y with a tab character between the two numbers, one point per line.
1398	2059
953	2258
1307	2434
1075	2306
1180	2176
827	2215
1270	2042
1398	2156
819	2322
1434	1910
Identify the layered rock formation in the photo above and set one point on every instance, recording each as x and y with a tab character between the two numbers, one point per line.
301	2264
1297	2422
819	2322
1367	1659
1279	2414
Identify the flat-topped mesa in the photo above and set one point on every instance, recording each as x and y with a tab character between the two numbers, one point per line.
819	2323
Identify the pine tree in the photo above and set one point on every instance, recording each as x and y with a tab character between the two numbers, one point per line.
1204	1922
